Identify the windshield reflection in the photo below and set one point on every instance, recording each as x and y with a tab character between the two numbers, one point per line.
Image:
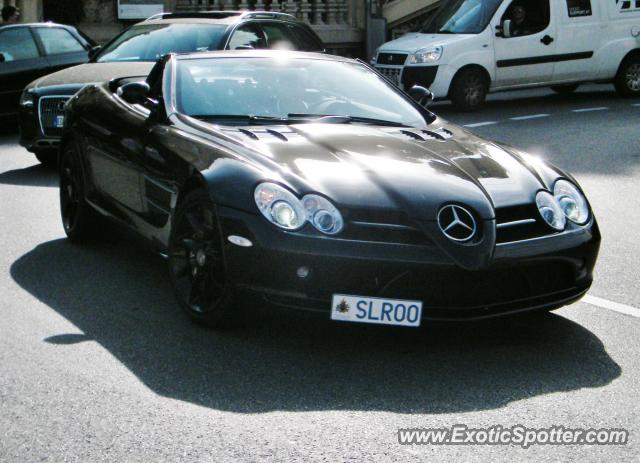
148	42
462	17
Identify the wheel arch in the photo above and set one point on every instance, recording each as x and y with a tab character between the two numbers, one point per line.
481	68
635	53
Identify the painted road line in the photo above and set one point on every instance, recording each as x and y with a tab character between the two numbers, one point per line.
532	116
584	110
480	124
610	305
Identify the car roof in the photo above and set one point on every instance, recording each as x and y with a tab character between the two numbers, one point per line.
45	24
217	17
261	54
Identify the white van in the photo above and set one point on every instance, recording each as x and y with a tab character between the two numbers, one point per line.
472	47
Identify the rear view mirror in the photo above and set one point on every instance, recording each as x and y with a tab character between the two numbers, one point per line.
134	92
421	95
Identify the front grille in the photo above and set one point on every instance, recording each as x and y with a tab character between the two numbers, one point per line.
50	109
392	74
393	59
382	226
517	223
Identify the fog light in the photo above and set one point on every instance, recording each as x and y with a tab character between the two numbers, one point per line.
303	272
240	241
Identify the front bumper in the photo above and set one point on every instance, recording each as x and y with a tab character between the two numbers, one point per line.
541	273
37	133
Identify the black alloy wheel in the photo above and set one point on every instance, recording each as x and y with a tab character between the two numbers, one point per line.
79	220
196	261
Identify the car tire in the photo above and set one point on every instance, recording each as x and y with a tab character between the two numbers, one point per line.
567	89
469	89
80	221
197	264
627	80
47	158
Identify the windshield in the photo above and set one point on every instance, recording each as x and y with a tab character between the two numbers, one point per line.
298	88
462	17
148	42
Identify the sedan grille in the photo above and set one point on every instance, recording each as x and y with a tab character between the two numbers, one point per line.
517	223
51	114
392	74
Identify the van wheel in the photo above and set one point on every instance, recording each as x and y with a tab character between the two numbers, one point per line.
565	89
627	79
469	89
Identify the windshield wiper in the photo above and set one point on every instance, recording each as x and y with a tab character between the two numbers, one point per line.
337	119
242	117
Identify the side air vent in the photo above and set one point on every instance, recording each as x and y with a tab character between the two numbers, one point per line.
518	223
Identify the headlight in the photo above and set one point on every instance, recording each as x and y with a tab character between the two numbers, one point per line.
571	201
322	214
26	99
284	209
550	210
426	55
279	206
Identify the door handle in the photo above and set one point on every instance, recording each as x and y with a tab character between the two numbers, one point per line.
546	39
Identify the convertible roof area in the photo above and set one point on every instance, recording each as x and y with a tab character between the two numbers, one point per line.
260	54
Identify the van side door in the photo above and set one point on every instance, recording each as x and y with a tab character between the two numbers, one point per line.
579	34
527	56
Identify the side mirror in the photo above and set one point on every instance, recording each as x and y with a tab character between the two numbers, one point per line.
134	92
506	28
1	58
421	95
93	51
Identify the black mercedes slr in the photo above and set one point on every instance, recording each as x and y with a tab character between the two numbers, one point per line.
311	181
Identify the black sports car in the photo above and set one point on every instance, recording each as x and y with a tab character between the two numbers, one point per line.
134	52
314	182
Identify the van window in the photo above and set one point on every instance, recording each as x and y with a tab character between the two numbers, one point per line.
527	16
462	17
577	8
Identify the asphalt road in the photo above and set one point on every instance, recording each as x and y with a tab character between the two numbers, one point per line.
98	364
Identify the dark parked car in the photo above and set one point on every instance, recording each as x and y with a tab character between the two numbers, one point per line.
134	52
29	51
314	182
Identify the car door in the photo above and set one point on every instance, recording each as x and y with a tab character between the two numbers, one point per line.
114	133
61	47
527	56
21	63
579	36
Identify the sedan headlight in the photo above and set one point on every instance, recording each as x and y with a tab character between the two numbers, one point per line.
550	210
284	209
571	201
26	99
280	206
426	55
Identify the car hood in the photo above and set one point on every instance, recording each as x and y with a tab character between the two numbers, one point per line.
414	170
93	72
414	41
